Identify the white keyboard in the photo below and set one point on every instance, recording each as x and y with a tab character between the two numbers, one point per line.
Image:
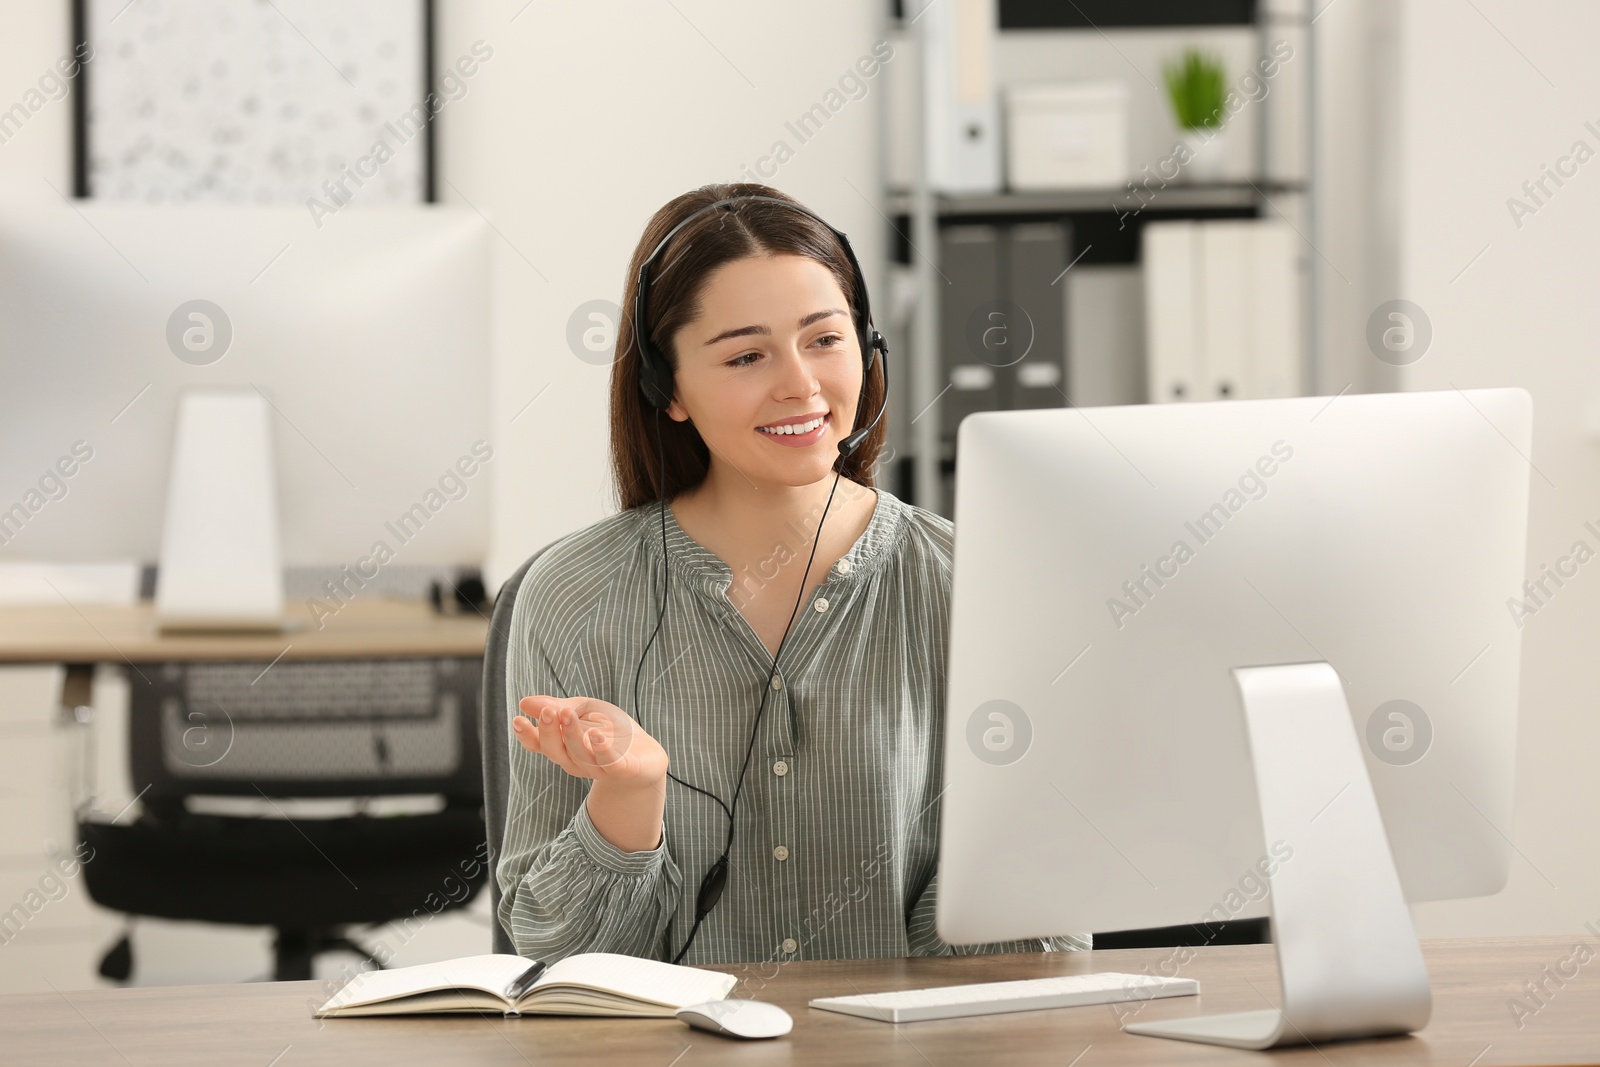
993	998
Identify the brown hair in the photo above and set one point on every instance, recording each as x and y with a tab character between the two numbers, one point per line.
677	280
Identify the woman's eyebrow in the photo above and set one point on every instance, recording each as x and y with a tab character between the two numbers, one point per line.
744	331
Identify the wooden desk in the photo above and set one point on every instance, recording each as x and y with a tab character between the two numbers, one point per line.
98	633
270	1024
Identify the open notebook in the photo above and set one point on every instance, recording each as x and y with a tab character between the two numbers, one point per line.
593	983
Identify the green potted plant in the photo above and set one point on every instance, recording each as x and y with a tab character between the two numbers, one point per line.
1196	85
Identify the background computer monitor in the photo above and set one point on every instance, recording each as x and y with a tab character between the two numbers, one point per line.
1384	534
368	331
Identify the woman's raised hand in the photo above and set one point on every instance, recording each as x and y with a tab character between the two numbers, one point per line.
590	738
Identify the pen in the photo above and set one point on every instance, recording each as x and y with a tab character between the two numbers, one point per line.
525	980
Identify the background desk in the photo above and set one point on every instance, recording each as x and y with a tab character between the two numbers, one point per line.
40	748
98	633
258	1025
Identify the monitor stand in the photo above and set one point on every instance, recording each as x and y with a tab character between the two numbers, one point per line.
1348	958
220	567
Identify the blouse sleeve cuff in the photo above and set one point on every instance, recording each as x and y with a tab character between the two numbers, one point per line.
607	855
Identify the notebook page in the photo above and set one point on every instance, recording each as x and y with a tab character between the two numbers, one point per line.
491	973
638	979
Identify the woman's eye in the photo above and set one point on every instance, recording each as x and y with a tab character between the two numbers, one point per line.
834	341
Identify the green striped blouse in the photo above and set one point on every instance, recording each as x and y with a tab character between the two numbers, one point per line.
837	837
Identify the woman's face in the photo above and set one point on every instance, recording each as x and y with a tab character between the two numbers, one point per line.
774	344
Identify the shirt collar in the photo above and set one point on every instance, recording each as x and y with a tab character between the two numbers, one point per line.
693	561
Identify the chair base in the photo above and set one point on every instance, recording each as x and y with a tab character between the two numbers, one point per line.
294	954
295	951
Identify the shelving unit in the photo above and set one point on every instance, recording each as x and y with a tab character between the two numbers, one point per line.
922	210
1195	196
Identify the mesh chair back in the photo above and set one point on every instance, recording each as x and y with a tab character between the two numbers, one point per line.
495	727
342	728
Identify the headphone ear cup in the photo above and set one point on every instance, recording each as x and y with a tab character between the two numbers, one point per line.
657	393
652	397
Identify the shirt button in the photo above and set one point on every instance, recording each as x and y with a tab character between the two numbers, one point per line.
780	854
843	566
790	945
780	768
777	681
821	603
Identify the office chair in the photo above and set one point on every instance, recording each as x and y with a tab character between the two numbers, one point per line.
495	728
369	729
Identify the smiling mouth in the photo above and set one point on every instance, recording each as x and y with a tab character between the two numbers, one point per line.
798	429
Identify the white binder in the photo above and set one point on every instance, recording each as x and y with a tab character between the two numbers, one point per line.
961	110
1172	320
1222	310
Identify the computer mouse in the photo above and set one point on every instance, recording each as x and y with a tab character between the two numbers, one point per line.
737	1018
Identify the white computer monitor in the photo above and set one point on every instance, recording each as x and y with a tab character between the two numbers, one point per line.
367	332
1114	566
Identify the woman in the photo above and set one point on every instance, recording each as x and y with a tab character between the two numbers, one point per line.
771	791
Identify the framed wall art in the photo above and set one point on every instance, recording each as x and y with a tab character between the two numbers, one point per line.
255	100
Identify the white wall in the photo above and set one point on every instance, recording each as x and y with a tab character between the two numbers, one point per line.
590	117
1487	96
1357	198
32	37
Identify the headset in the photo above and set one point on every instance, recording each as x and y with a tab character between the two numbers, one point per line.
656	382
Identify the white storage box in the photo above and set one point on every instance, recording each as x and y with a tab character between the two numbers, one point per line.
1067	135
